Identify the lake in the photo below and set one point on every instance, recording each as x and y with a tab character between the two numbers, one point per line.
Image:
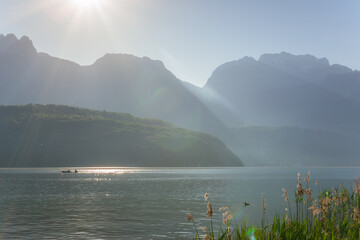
143	203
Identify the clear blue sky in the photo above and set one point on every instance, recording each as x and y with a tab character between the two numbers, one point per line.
191	37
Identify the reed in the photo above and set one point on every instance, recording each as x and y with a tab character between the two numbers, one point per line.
333	214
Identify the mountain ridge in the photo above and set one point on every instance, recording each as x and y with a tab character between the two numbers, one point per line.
270	92
114	82
265	95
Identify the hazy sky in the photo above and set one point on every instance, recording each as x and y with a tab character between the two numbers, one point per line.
191	37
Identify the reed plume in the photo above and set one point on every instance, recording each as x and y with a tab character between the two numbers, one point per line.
308	177
356	215
209	211
336	197
264	204
344	195
315	210
357	186
207	237
223	208
190	218
285	194
325	203
308	192
299	189
206	196
226	217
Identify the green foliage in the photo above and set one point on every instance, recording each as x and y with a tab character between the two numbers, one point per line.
53	135
334	214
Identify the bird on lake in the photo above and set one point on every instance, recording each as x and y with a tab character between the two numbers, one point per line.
246	204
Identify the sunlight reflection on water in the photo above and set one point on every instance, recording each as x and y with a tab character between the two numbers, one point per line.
99	171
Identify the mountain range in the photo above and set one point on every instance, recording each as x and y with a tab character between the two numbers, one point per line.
282	109
115	82
274	92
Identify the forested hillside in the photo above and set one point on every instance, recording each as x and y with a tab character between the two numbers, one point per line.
59	136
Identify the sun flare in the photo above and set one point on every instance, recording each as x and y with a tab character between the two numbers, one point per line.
86	3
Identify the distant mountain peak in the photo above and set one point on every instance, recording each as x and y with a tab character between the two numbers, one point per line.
7	41
111	59
306	66
10	44
26	41
288	58
9	37
247	59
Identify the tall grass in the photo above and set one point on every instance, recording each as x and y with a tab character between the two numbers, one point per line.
333	214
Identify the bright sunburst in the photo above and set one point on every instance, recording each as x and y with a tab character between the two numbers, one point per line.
86	3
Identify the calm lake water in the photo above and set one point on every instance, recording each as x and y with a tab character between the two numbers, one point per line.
142	203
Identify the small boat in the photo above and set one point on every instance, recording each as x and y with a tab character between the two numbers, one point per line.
246	204
69	171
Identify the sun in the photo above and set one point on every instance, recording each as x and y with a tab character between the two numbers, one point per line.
86	3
